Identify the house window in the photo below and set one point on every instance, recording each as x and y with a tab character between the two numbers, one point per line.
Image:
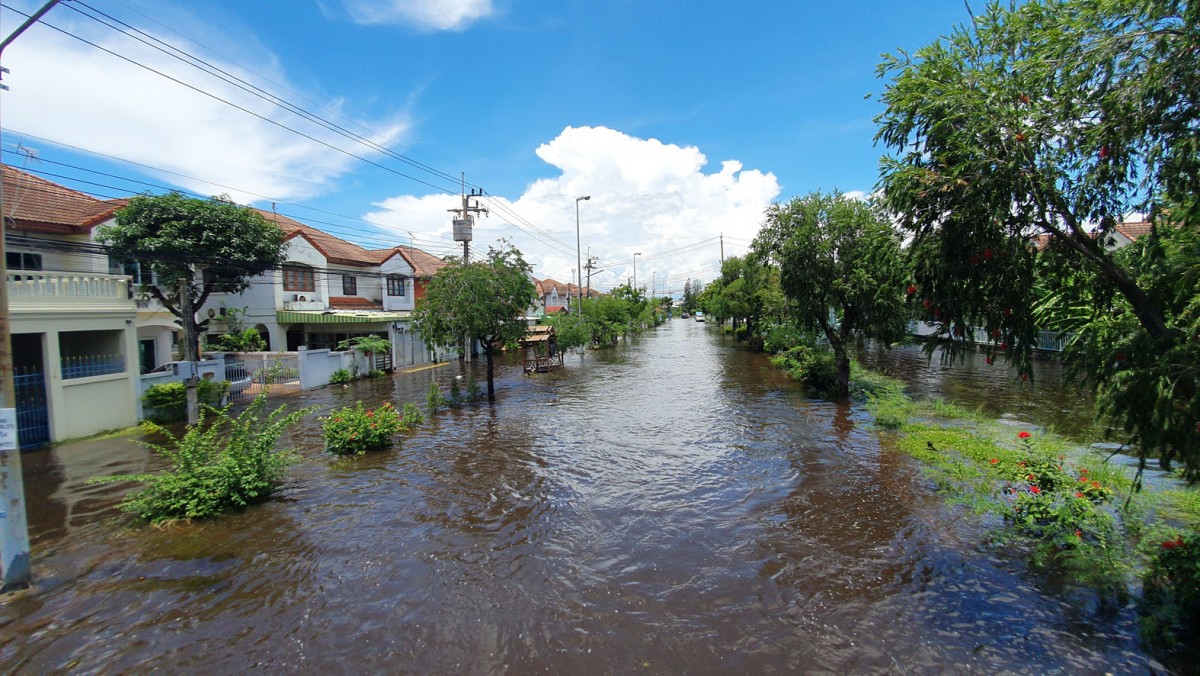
395	286
349	285
23	261
298	278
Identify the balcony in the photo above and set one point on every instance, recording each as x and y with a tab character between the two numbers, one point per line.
31	291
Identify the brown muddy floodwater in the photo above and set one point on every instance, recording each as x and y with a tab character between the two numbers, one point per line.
670	506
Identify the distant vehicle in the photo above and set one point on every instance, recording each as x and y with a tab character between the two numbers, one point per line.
685	315
699	316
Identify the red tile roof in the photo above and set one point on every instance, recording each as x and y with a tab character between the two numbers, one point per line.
37	205
1133	230
424	264
352	303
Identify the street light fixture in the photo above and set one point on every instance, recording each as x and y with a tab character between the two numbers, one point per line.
578	259
634	289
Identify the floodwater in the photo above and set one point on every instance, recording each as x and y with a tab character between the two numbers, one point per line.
673	505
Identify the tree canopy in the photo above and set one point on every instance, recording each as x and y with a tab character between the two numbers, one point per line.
484	300
1056	120
177	236
841	267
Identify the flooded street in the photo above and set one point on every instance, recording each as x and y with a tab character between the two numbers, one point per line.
673	505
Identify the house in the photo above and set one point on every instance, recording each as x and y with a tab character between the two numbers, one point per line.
330	290
554	296
77	332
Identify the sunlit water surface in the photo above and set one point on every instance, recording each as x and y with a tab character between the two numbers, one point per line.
674	505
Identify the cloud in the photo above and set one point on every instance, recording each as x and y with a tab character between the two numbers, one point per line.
647	197
430	15
75	94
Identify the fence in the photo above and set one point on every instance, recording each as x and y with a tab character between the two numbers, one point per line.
1047	341
92	365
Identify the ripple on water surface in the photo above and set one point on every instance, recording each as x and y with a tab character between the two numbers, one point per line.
674	504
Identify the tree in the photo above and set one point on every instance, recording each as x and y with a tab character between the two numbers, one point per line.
690	292
842	268
1057	119
179	236
483	300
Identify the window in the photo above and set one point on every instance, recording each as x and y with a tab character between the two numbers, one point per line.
298	278
349	285
395	285
23	261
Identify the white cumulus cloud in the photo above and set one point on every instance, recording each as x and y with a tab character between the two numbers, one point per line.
75	94
646	197
433	15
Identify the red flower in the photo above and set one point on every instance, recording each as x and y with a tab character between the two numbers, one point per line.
370	414
1035	490
1023	435
1078	533
1003	345
1103	152
1170	544
1021	464
987	254
1083	470
1079	495
995	460
912	289
1031	478
1095	484
927	303
1083	479
1024	98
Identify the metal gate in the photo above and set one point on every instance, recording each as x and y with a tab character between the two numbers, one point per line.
252	374
33	412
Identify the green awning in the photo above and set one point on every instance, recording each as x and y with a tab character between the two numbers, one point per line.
338	317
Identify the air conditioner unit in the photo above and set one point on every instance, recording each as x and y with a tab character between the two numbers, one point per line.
302	297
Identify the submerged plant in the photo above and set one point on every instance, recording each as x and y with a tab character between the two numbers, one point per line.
354	430
216	466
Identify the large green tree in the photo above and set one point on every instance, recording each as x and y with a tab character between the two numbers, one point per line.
1049	122
841	266
485	300
194	247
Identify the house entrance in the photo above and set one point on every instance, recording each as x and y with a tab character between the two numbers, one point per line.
29	383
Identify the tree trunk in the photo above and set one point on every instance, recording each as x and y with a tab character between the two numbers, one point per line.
841	383
491	379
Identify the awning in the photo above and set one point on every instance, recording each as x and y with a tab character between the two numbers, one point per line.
338	317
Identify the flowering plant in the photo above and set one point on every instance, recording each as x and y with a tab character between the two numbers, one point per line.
1171	590
356	430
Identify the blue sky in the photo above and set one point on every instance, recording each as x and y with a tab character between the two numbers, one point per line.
682	120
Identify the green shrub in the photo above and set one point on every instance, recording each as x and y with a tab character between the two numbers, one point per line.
376	373
340	376
411	416
216	466
455	392
169	400
356	430
434	399
1170	605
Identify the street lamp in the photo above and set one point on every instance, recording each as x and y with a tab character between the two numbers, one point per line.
653	280
635	271
578	260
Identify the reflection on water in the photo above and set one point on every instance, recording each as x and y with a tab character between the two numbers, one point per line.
674	505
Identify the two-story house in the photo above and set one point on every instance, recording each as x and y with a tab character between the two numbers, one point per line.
74	324
331	290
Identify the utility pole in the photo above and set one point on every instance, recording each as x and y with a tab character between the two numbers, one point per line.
591	265
14	527
634	287
722	248
463	225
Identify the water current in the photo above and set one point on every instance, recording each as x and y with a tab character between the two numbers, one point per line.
674	505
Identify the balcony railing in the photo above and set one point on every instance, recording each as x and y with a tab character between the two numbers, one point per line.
63	289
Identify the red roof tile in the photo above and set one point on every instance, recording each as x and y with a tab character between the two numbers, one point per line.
35	204
352	303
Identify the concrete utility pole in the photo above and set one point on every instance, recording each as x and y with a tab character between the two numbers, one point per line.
591	265
634	287
722	248
462	233
14	528
578	262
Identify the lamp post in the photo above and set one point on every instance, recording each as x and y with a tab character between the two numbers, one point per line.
635	271
578	260
653	281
